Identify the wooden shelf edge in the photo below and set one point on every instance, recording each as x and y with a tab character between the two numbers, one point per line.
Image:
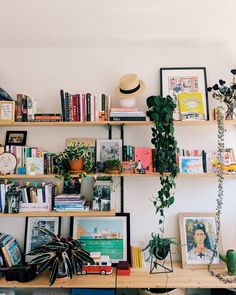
153	174
113	123
67	213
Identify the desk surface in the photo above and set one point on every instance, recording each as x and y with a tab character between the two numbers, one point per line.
180	278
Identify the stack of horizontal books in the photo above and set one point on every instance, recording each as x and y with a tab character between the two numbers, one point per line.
70	202
127	114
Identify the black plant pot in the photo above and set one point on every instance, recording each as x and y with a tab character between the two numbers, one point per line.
162	252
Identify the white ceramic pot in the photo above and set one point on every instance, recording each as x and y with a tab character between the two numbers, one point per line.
128	102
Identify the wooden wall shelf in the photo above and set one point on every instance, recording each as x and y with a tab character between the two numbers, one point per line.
54	213
112	123
154	174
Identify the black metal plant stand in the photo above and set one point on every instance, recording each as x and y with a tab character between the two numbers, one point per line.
156	263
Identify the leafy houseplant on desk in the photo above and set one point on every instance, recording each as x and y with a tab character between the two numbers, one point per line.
76	158
160	111
64	257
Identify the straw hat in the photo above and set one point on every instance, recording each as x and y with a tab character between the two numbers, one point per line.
130	86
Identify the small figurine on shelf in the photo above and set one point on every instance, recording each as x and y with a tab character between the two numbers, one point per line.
139	168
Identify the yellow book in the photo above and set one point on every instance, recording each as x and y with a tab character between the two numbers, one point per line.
191	106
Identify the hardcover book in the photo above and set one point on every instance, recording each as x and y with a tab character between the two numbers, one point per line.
145	156
191	106
35	165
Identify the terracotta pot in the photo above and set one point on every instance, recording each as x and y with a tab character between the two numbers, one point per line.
77	165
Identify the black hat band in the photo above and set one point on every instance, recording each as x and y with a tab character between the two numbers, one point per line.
130	91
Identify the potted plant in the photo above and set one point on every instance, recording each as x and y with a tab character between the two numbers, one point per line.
160	111
113	166
76	158
63	257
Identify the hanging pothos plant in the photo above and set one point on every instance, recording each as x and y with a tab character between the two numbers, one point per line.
160	111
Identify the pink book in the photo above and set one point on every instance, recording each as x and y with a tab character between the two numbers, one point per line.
145	156
115	110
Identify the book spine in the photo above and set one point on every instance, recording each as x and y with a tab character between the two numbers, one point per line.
63	105
19	108
88	107
24	108
133	118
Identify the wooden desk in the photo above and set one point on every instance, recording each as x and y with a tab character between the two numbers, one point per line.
180	278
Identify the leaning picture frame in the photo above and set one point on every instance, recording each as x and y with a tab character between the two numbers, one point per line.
188	88
108	149
7	111
35	238
16	137
106	235
197	236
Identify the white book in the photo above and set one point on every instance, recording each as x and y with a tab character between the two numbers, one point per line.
35	165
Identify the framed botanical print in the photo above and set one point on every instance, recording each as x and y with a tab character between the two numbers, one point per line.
109	149
34	237
188	88
105	235
197	235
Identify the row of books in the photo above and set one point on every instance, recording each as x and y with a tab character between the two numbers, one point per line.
31	160
85	107
10	254
33	196
25	108
127	114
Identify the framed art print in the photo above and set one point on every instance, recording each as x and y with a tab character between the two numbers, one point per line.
7	111
109	149
188	88
190	164
197	236
34	237
16	138
106	235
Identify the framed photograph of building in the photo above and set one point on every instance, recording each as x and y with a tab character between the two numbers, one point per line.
16	138
188	88
197	236
34	237
105	235
109	149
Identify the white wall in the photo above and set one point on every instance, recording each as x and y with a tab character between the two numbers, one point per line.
42	72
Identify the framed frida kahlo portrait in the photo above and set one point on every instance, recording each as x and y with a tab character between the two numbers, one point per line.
108	235
197	236
188	88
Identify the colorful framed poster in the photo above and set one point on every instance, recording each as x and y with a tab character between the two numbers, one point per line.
197	235
108	236
188	88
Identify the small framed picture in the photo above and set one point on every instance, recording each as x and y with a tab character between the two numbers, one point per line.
106	235
109	149
7	111
197	236
188	88
16	138
34	237
190	164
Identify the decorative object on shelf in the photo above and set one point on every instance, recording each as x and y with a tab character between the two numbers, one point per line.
230	260
23	273
129	88
7	163
159	248
34	237
4	95
16	138
197	234
12	198
226	94
160	111
66	162
113	166
7	111
109	149
139	168
64	257
107	235
188	89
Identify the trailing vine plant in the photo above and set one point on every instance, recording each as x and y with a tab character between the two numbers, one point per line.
160	111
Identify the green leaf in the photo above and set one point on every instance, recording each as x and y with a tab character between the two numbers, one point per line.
54	271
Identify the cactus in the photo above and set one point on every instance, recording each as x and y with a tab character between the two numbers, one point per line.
230	260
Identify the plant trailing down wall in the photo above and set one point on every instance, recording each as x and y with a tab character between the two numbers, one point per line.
160	111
